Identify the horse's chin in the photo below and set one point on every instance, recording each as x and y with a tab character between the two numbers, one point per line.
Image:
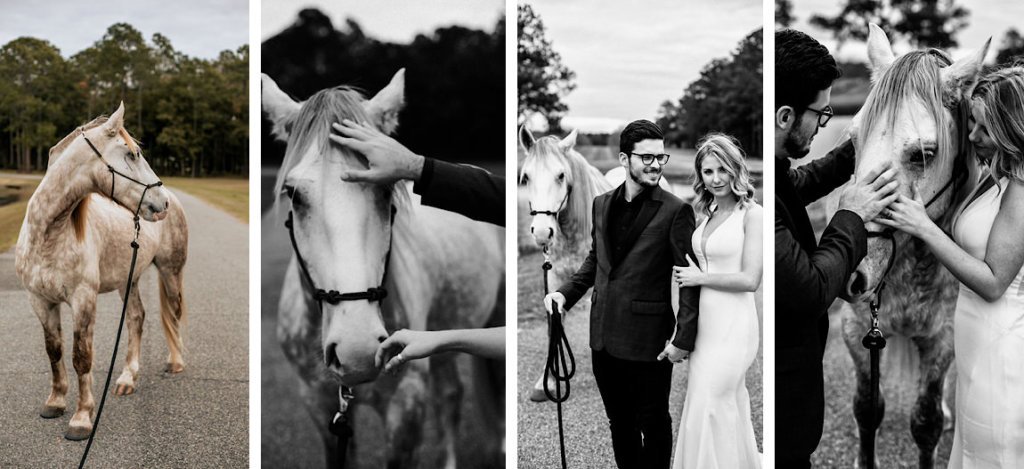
353	378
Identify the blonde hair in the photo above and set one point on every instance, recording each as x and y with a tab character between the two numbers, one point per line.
727	151
1001	95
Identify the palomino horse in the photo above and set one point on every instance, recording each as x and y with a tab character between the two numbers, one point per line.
440	270
560	187
915	117
75	244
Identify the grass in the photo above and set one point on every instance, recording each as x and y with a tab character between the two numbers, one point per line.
12	214
228	194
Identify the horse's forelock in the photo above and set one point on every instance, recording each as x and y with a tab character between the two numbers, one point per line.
312	126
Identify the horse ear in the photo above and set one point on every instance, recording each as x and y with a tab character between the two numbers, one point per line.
962	75
526	138
383	108
880	54
280	108
568	142
115	122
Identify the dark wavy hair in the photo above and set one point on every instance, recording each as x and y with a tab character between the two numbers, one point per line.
637	131
803	68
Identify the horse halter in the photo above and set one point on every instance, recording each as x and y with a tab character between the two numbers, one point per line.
333	296
113	177
533	213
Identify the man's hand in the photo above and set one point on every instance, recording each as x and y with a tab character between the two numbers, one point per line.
388	160
558	298
405	345
673	354
867	196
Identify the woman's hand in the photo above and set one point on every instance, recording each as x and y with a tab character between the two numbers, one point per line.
689	276
908	215
405	345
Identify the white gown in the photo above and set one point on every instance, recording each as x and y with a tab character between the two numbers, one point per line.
989	346
715	429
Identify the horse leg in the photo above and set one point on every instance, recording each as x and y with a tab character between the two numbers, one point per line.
447	385
136	314
926	416
867	422
49	316
84	305
172	314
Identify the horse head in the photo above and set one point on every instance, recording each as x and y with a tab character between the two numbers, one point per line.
915	117
111	159
342	230
548	176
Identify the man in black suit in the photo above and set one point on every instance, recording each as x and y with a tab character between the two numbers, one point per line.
810	275
640	231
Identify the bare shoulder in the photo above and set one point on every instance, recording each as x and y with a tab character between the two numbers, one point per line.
754	214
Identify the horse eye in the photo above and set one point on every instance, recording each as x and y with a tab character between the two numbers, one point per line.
288	190
561	177
524	180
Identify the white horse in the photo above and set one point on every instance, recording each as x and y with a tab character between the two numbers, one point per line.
915	117
75	244
444	271
560	187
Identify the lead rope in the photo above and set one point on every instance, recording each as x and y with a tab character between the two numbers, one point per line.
561	363
127	289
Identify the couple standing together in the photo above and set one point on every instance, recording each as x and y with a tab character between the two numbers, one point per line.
984	252
641	236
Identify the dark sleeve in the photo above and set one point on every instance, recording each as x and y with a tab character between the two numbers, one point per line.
689	297
463	189
818	278
818	178
583	279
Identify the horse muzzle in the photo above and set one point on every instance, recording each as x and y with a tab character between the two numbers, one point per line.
350	347
870	272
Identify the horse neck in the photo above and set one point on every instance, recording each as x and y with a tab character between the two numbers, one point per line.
575	221
49	209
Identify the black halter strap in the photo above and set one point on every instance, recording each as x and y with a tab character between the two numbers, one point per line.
533	213
113	177
333	296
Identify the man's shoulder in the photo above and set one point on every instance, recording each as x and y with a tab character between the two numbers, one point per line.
669	199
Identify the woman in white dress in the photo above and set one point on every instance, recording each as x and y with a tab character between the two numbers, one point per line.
986	254
716	429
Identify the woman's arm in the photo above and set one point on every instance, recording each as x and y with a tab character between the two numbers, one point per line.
1004	256
752	263
405	345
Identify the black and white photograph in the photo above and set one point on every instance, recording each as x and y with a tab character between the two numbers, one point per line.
383	241
640	234
899	182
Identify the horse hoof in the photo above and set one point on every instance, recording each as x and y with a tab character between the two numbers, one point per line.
538	395
124	390
77	433
174	368
51	412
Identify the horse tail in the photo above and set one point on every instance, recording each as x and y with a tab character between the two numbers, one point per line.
173	313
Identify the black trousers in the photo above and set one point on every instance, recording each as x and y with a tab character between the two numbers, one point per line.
635	396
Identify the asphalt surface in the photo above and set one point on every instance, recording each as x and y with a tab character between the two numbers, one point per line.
199	418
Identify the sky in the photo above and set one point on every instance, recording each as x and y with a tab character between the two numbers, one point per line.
387	20
987	18
199	28
629	57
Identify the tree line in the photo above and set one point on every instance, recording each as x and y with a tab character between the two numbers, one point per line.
454	81
190	114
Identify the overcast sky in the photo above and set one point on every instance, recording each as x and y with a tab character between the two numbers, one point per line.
629	57
987	18
199	28
388	20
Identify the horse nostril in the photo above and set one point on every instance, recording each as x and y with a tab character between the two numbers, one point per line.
382	338
551	233
531	230
331	357
857	284
167	204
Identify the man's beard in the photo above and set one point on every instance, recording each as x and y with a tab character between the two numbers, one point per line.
637	176
796	145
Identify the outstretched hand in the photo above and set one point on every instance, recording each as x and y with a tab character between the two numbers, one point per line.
688	276
388	161
405	345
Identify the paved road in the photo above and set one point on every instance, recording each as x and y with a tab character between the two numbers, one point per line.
196	419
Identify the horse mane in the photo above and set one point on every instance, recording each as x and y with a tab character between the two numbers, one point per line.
917	75
312	124
78	216
57	150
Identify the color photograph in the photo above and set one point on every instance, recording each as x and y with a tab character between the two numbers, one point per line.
123	188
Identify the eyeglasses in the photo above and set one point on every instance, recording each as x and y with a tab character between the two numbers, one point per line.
823	115
647	158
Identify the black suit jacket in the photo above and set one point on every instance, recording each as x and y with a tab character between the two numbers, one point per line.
463	189
809	276
631	314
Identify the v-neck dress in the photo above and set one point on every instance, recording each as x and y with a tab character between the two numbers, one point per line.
715	429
